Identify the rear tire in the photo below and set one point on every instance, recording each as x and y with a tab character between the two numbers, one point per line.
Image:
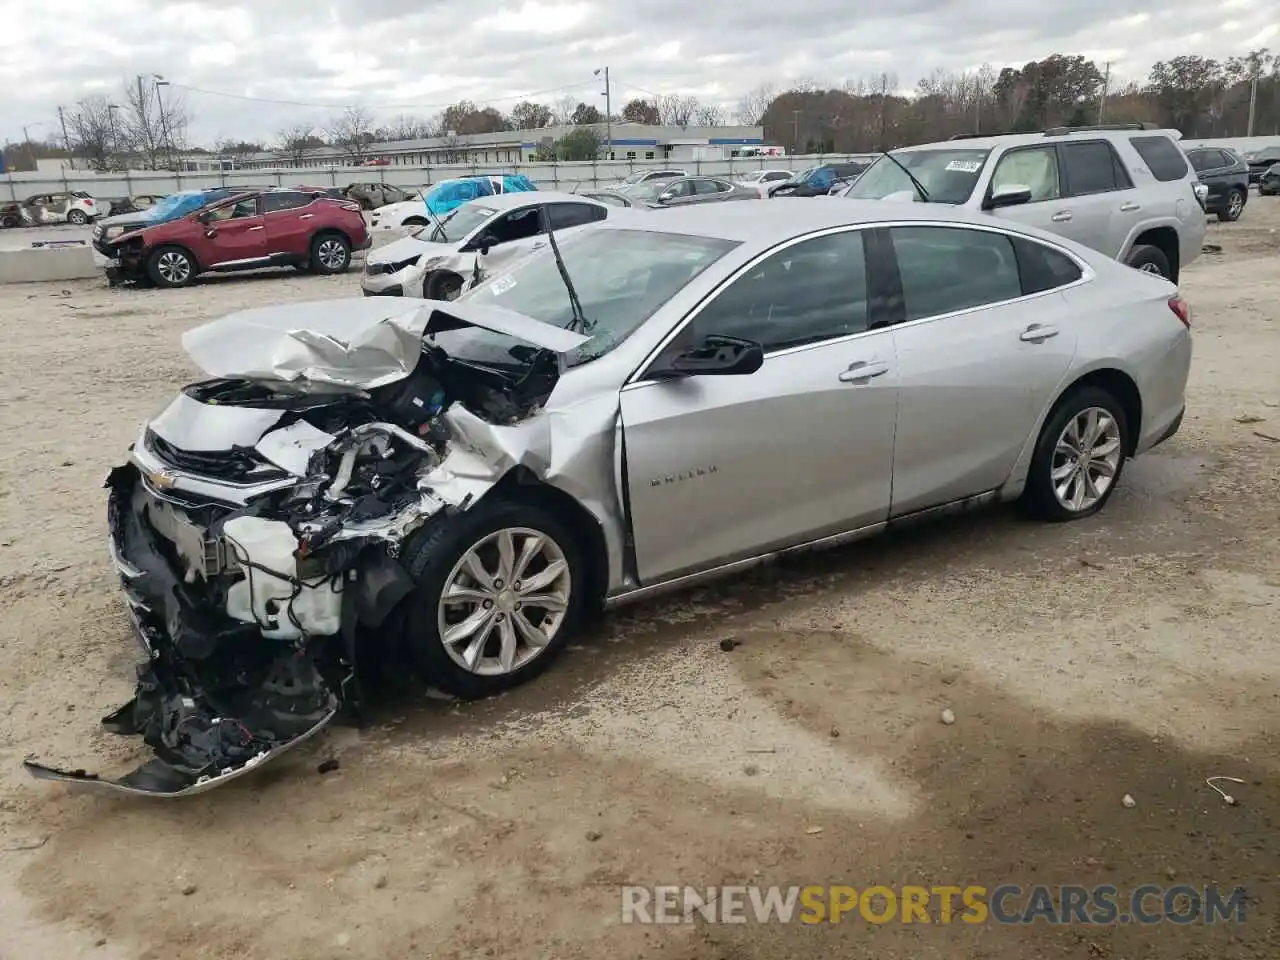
1082	444
443	285
1149	259
171	267
436	559
78	218
1235	206
330	254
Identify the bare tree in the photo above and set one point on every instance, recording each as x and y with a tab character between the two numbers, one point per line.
91	128
296	140
154	125
707	115
349	131
562	111
754	103
451	146
405	127
675	110
527	115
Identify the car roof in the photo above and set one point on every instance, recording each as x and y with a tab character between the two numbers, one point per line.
769	223
524	198
1022	139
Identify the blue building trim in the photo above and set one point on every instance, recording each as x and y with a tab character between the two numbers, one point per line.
618	142
735	141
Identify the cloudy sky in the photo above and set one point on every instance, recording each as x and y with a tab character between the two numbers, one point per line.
229	59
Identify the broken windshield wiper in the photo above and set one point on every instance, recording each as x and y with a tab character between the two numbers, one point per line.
578	321
924	194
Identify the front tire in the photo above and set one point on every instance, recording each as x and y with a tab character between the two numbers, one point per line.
1235	206
443	285
330	254
501	589
1079	457
171	267
1149	259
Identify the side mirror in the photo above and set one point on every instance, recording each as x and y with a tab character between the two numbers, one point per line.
716	356
1009	195
484	242
666	195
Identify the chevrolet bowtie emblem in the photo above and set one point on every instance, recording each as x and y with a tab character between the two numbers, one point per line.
161	479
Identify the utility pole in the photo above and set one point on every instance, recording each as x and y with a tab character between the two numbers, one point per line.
31	150
795	132
1106	85
608	113
66	141
112	109
1253	101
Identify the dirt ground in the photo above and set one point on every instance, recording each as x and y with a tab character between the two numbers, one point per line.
1137	653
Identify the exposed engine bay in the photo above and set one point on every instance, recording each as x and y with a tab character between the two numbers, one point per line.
257	529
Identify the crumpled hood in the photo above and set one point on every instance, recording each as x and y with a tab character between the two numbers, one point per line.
406	248
355	344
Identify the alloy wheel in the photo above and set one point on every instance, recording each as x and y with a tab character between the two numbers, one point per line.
1236	205
332	254
174	267
1151	268
1086	459
504	601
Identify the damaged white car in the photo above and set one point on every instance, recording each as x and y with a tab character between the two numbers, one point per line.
439	261
457	485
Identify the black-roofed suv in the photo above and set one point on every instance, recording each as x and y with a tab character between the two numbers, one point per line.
1124	189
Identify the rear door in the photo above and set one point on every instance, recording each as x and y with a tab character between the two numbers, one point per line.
984	340
288	220
706	189
1104	202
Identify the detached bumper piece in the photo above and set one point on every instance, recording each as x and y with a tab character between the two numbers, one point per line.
215	698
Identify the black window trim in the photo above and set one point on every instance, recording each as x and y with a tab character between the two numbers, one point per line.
874	250
1117	169
311	196
1086	272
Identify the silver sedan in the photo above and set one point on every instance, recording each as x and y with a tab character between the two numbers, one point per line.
668	401
684	191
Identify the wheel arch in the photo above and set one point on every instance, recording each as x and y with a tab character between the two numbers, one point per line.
326	231
149	250
1121	386
1164	237
521	484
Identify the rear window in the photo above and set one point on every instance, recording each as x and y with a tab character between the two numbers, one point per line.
1162	157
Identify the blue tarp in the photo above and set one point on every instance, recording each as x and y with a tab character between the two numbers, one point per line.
452	194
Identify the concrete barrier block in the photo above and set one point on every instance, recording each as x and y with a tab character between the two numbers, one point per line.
48	263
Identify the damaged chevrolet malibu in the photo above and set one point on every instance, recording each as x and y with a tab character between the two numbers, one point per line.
460	485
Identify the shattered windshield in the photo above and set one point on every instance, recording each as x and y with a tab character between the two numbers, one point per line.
457	224
622	277
949	176
176	204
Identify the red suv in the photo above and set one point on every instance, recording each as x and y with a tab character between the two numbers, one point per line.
298	227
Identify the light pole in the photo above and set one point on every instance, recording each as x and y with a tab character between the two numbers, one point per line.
165	132
144	99
608	113
26	139
112	109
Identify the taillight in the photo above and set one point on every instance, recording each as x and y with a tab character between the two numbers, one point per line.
1181	309
347	205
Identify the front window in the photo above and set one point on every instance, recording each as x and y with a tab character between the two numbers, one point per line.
636	177
621	277
462	221
948	176
649	190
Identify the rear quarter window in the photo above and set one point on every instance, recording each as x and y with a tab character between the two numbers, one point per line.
1162	157
1041	268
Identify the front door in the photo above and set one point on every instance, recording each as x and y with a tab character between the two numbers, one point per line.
235	234
977	360
721	468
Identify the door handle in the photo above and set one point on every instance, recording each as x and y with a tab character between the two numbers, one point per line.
1038	333
306	216
1130	207
251	229
1062	216
862	371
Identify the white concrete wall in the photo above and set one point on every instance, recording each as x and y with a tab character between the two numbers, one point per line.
548	176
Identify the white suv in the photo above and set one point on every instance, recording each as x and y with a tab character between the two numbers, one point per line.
1124	189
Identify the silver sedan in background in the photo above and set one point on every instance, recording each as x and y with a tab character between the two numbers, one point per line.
684	191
